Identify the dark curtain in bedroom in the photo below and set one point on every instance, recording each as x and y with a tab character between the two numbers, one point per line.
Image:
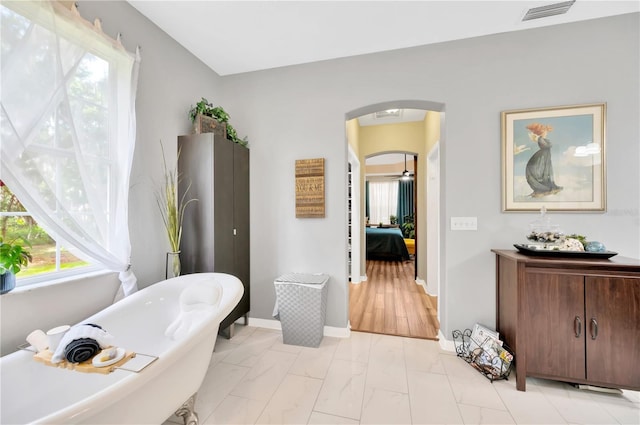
405	200
366	200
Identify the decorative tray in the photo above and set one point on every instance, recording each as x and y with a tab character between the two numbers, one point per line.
87	366
557	253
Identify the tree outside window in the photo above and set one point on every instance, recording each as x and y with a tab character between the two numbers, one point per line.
16	223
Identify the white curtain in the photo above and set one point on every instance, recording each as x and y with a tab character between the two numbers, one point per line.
383	201
68	129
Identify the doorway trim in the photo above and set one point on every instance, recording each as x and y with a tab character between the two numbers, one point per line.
433	220
356	276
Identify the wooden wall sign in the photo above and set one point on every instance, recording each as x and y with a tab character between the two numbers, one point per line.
310	188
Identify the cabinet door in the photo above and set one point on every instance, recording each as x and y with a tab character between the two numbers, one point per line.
195	168
613	330
554	323
241	215
223	205
238	247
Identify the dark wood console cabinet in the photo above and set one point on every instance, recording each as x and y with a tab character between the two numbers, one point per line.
570	319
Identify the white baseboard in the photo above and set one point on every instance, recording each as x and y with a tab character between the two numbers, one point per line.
445	343
337	332
424	286
265	323
362	279
275	324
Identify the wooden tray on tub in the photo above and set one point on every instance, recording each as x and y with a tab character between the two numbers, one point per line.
86	366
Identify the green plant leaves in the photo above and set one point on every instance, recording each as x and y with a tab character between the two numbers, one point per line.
204	107
13	256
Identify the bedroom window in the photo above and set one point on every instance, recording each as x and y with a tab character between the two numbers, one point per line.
383	201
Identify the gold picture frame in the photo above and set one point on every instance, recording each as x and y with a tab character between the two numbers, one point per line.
554	157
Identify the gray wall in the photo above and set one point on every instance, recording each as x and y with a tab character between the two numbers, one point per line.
298	112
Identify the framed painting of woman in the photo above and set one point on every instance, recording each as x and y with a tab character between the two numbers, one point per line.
554	157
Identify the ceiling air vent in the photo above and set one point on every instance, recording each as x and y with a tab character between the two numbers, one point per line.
549	10
388	113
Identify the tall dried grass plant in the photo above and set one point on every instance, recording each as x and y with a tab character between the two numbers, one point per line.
172	208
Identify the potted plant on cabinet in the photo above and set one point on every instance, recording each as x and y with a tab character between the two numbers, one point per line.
13	256
206	117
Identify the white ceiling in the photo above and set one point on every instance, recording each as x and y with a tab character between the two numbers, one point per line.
240	36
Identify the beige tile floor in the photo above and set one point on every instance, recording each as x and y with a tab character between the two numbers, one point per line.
377	379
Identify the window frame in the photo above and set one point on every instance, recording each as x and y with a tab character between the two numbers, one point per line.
105	52
58	273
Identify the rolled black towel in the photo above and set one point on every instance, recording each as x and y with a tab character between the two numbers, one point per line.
93	324
80	350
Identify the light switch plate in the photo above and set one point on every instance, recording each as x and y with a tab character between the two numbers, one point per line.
464	223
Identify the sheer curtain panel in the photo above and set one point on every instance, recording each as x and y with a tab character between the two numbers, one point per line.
68	129
383	201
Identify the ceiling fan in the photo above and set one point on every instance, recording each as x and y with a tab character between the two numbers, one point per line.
406	175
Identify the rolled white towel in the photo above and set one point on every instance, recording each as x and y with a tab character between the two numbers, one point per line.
102	337
38	340
195	301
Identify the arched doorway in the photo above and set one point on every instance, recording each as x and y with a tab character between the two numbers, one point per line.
429	127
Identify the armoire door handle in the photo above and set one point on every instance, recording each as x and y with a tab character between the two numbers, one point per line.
577	326
594	328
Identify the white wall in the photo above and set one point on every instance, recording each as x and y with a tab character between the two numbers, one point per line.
298	112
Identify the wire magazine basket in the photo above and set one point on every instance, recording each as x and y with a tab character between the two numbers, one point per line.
489	357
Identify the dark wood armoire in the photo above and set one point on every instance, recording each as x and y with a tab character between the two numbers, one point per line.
215	234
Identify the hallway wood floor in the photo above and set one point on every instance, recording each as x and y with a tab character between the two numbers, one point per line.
390	302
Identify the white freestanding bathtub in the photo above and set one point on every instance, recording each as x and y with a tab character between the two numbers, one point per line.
36	393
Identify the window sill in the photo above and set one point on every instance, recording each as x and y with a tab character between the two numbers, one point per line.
23	288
